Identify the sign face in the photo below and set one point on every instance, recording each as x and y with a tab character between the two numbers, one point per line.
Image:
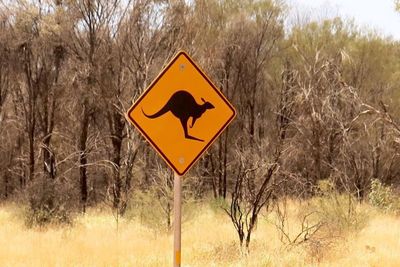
181	113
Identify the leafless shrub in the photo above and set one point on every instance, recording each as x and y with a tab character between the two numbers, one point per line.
308	226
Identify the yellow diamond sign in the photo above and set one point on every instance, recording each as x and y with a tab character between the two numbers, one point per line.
181	113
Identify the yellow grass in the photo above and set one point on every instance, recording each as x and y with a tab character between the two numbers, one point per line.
208	240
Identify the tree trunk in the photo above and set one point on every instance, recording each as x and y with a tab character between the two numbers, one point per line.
220	176
31	153
48	158
225	162
117	179
117	126
6	185
83	156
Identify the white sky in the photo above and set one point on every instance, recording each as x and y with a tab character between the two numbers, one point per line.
377	14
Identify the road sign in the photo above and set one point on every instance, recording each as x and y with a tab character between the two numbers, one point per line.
181	113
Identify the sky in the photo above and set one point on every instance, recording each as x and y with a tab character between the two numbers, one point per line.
379	15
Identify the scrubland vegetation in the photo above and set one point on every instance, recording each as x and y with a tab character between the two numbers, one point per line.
367	237
306	175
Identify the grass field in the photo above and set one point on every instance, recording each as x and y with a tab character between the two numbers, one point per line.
208	239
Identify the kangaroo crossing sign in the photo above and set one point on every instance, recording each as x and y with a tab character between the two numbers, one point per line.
181	113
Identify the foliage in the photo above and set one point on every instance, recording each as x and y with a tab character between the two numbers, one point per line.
320	221
145	207
155	211
338	212
218	204
48	202
383	197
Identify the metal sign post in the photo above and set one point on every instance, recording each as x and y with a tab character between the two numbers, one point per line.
177	219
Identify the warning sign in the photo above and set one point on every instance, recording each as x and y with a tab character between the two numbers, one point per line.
181	113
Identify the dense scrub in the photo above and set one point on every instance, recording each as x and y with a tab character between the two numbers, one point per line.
317	104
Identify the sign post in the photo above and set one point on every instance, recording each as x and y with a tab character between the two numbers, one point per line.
177	219
181	114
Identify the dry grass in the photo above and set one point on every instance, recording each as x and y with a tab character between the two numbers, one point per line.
208	240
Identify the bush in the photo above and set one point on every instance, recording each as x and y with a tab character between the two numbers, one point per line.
218	205
156	210
338	212
151	210
48	202
382	197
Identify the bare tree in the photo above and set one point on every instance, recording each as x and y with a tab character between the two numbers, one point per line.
249	196
308	228
86	32
5	84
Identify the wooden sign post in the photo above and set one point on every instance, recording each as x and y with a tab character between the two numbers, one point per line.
177	219
181	114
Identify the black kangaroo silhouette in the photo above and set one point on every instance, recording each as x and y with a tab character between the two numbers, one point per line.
183	105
